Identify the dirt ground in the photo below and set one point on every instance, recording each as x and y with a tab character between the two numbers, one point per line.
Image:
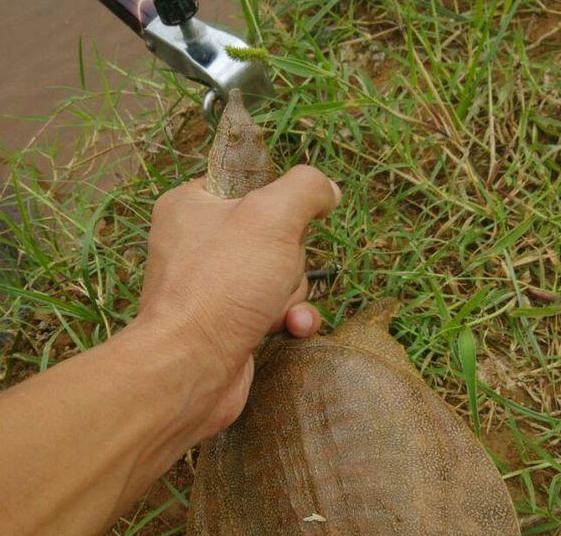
39	60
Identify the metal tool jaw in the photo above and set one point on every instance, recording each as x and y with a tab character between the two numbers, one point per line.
199	52
195	49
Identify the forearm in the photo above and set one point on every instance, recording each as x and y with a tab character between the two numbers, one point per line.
82	441
79	443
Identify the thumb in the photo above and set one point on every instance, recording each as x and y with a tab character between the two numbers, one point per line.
303	194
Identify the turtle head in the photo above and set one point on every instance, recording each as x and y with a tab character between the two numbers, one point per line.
368	331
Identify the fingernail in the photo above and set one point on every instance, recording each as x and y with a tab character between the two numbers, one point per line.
305	321
337	191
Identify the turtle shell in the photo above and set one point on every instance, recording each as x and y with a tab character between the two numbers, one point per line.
341	437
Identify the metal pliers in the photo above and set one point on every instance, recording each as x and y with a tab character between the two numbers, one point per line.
194	49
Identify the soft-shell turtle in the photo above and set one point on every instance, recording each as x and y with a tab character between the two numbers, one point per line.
340	436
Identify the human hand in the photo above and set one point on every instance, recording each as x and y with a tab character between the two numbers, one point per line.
222	274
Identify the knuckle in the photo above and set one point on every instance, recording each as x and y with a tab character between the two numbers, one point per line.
157	213
162	204
312	187
302	169
311	174
166	204
319	182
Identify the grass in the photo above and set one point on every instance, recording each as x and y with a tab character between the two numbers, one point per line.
441	122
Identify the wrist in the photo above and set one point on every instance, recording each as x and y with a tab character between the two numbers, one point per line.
161	357
218	377
178	361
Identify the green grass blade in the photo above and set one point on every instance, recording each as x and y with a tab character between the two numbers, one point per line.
467	353
250	12
81	63
72	309
536	312
299	67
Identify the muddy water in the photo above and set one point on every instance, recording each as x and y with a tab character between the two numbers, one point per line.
39	60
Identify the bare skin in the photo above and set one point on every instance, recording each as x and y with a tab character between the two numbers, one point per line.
81	442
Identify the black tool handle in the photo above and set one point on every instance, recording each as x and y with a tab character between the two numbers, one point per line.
135	13
174	12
